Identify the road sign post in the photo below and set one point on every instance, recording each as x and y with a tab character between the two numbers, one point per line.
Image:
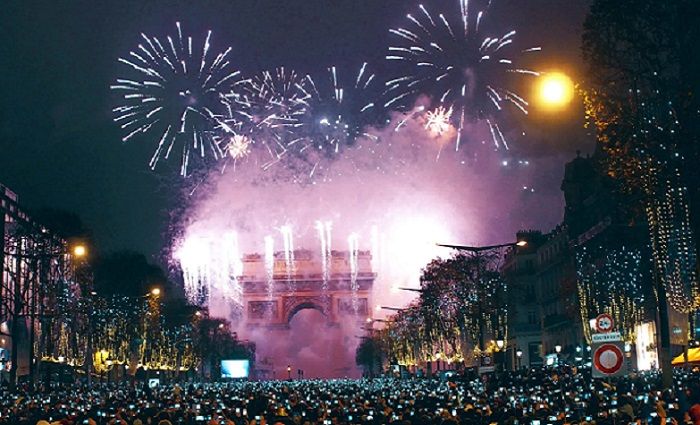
604	323
608	350
609	360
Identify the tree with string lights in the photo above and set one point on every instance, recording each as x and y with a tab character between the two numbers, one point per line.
642	97
462	300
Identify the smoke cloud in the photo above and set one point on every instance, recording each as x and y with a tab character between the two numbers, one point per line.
399	195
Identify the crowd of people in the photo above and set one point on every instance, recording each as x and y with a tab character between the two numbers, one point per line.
535	396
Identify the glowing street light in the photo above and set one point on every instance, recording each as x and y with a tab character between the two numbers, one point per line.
80	251
554	90
155	292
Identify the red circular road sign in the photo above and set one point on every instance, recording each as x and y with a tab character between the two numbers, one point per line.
608	358
604	323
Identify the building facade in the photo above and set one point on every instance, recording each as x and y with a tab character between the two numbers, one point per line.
37	273
519	269
562	331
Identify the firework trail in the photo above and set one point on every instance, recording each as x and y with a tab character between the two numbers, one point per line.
324	236
211	266
270	267
461	69
288	241
353	251
174	90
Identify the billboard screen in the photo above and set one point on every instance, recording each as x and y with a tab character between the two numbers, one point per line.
235	368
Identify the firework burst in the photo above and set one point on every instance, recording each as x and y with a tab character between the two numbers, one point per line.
268	112
239	146
437	122
458	67
339	108
174	90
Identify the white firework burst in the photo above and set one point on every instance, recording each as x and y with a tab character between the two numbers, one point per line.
458	66
174	90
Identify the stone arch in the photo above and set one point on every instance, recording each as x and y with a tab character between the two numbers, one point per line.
307	305
295	304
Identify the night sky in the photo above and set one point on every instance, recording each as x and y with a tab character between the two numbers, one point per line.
60	148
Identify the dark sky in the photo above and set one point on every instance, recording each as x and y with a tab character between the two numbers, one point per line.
59	147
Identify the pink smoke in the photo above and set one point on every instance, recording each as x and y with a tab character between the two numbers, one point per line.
400	194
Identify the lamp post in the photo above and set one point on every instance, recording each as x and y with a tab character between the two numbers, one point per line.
289	372
500	364
108	369
519	355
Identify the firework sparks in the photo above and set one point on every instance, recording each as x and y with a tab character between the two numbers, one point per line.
277	100
175	92
339	109
461	69
267	111
239	146
437	122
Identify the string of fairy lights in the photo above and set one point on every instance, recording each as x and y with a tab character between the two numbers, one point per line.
673	246
640	132
611	280
461	302
125	331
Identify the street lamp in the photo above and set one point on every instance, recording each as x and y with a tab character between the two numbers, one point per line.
80	251
500	343
519	355
155	292
289	372
554	91
477	249
557	348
